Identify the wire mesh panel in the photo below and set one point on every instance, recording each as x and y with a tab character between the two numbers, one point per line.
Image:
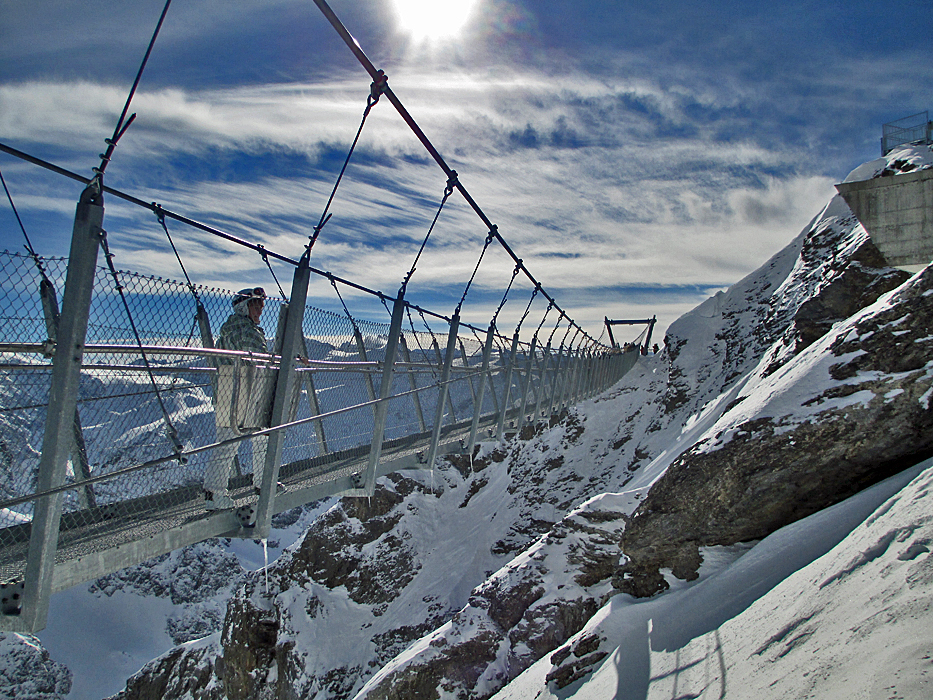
150	414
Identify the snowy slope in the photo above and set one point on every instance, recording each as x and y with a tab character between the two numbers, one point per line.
836	606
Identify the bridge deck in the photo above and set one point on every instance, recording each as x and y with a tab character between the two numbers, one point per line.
97	541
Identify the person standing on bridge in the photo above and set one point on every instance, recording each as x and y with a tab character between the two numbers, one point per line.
241	332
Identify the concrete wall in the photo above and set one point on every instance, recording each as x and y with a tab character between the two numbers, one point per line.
897	212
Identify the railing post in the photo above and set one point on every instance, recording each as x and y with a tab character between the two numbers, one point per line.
385	391
286	384
542	385
440	362
415	397
63	400
478	405
597	367
442	391
86	496
315	409
507	390
555	383
603	372
492	389
368	378
528	365
566	386
466	365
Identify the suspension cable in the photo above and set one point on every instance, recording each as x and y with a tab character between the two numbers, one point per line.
265	258
550	306
160	215
121	126
229	237
560	316
333	283
424	354
448	190
566	333
169	427
489	237
375	92
367	64
32	252
534	293
505	294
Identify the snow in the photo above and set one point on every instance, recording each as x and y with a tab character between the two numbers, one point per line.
104	637
835	606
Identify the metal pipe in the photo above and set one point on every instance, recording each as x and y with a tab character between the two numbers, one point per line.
286	387
478	399
416	399
504	409
528	366
63	401
381	410
443	393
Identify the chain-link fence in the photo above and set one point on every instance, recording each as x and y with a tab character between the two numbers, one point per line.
126	478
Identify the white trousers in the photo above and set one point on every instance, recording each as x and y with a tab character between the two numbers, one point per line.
217	473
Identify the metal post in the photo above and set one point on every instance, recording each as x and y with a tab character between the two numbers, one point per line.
316	411
442	395
574	394
478	405
385	391
440	362
542	385
555	383
601	379
86	496
528	364
313	400
466	363
507	390
492	386
63	399
370	387
285	387
567	382
416	397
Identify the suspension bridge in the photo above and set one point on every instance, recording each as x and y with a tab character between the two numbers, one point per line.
110	401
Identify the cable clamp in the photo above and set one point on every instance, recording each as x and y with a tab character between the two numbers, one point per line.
377	87
452	182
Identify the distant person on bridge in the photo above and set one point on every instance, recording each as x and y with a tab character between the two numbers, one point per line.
242	332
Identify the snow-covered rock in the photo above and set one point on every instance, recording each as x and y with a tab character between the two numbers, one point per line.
28	673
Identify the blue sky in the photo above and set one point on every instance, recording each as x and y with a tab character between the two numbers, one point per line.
637	156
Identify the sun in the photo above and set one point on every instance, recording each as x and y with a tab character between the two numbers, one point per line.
433	19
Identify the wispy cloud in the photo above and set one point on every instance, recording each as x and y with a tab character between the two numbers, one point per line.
630	170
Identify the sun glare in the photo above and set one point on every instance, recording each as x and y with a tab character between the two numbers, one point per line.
433	19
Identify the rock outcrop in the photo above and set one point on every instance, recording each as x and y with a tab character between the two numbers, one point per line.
27	670
865	391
